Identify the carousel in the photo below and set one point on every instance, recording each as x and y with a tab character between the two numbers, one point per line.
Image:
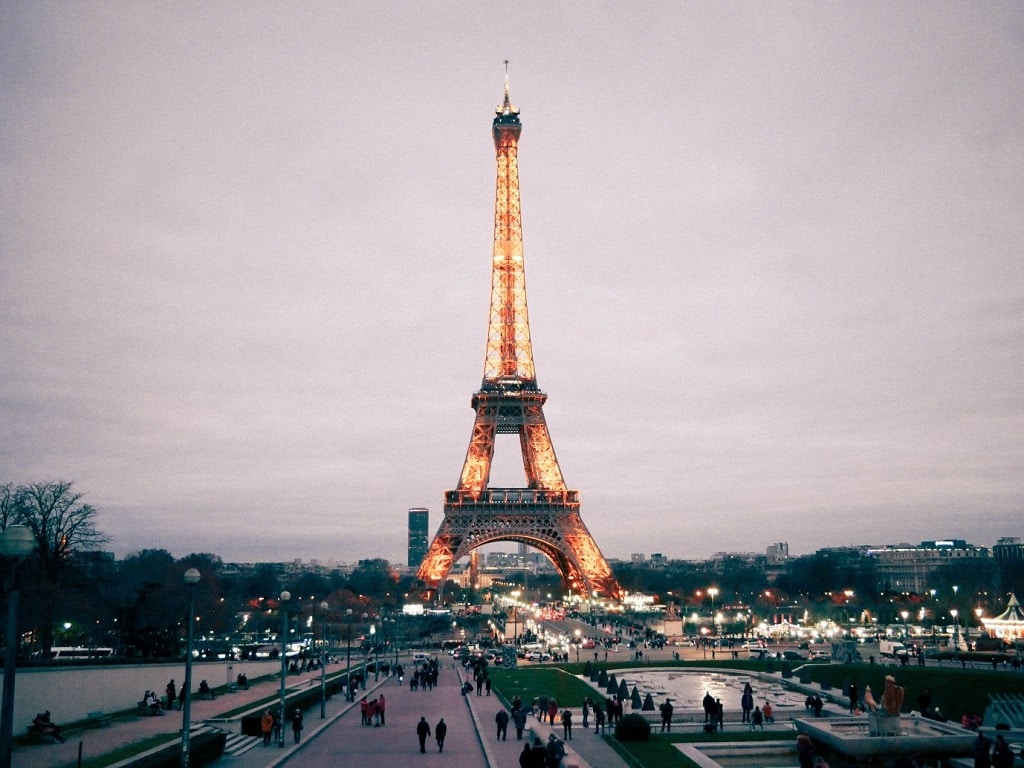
1008	625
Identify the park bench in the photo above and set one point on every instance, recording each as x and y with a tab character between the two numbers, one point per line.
97	719
36	735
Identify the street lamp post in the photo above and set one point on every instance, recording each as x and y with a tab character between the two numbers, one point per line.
349	695
285	597
906	629
323	659
956	633
191	578
376	652
16	543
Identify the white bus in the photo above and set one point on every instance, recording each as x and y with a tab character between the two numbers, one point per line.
75	653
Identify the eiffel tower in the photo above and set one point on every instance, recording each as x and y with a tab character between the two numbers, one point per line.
544	514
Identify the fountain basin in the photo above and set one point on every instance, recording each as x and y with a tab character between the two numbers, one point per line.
851	736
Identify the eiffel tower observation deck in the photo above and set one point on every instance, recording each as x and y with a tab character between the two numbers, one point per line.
545	514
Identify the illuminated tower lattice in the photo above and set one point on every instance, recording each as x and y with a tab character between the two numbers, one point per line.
544	514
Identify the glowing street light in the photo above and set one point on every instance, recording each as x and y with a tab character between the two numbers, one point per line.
713	591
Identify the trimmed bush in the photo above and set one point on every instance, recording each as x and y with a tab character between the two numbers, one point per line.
633	728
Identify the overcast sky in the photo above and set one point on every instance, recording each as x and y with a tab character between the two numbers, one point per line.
773	252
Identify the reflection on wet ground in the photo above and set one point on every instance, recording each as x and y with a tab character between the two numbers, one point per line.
686	688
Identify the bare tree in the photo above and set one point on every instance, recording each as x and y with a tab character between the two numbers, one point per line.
62	527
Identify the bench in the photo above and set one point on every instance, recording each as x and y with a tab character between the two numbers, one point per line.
97	719
37	735
147	711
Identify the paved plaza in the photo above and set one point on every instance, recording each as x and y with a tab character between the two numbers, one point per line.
340	738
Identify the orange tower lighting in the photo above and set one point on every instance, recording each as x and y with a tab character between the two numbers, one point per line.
544	514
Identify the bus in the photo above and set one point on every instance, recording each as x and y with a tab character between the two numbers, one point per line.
75	653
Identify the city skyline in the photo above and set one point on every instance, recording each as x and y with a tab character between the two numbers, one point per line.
772	261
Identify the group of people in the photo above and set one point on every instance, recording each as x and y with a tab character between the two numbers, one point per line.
541	755
714	713
517	717
172	696
373	711
805	753
44	726
424	677
989	754
270	726
440	733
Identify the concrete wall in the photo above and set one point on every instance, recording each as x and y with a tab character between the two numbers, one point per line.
70	693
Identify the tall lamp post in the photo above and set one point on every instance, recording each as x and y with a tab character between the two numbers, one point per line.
16	543
956	633
376	652
906	629
191	578
285	597
349	694
323	660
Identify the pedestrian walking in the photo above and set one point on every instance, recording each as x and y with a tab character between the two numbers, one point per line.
266	727
440	731
586	712
567	725
297	725
422	731
598	719
380	709
519	718
501	719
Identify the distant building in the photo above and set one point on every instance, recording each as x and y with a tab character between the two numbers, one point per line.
777	553
419	535
1008	549
638	557
906	568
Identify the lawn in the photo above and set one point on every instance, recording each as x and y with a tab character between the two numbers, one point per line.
955	691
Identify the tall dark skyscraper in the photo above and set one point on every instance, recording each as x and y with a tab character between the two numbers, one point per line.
419	535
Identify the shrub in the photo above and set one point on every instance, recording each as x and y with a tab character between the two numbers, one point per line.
633	728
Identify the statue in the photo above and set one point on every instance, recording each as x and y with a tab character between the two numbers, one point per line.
884	715
892	698
869	700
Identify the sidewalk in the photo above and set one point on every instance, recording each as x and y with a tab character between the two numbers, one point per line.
134	728
341	739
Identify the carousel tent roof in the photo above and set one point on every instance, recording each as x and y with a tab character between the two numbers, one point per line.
1013	611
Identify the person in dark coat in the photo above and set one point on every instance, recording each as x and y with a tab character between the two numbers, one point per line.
567	724
440	731
538	754
422	731
519	718
666	715
501	718
297	725
747	703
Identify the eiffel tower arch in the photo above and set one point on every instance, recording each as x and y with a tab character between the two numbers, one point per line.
544	514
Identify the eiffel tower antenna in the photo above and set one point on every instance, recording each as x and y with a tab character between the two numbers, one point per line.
544	514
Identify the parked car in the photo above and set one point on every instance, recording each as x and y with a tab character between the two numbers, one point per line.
793	656
821	655
761	654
